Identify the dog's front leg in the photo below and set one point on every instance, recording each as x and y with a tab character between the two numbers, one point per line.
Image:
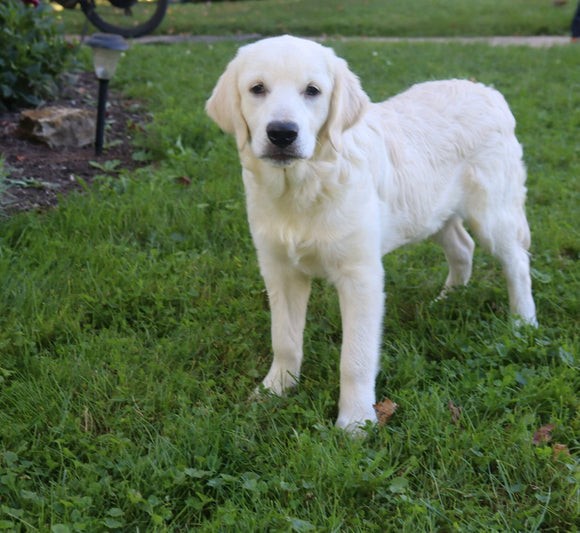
288	291
361	305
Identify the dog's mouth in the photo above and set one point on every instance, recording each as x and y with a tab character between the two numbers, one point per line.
281	159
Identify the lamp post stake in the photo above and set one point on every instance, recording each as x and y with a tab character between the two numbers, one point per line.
101	110
106	52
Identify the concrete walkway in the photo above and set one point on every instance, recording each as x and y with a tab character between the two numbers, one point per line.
534	41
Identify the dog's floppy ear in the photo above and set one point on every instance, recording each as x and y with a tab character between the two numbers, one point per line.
224	105
347	104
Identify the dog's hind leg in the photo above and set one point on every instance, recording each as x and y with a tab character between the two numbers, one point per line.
458	247
516	267
507	236
495	208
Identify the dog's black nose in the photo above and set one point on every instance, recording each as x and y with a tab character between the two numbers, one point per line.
282	134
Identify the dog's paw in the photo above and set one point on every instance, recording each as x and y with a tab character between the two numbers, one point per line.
519	323
270	387
279	381
260	394
355	422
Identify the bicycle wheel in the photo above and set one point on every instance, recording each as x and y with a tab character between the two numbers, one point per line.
128	18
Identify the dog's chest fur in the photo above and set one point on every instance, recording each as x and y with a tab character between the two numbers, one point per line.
300	217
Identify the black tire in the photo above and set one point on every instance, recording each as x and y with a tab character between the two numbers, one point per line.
110	19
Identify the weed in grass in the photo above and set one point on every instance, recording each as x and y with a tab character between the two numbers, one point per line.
108	167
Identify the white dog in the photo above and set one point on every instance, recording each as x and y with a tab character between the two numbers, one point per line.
333	182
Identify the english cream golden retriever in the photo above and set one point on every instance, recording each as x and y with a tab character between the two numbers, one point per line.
334	181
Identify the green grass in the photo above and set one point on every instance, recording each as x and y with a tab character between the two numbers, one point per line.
369	17
135	326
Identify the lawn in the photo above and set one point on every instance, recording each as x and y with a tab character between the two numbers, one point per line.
370	17
135	326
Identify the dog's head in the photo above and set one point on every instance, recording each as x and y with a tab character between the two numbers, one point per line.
284	96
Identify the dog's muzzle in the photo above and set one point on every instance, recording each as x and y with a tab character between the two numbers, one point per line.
283	150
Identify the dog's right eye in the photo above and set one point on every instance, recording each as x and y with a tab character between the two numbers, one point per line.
312	90
258	89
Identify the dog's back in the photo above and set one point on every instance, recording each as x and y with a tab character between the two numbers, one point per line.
451	151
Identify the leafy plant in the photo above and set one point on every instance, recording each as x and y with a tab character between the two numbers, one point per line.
32	53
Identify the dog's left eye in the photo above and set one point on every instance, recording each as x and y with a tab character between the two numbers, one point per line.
312	90
258	89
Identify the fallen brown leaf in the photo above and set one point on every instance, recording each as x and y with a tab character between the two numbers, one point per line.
385	411
543	434
135	127
455	413
183	180
560	448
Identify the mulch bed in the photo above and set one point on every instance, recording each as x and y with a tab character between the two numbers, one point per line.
36	176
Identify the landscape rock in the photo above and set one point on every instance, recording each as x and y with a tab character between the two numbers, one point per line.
59	127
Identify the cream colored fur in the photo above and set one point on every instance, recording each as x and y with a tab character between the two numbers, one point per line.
359	180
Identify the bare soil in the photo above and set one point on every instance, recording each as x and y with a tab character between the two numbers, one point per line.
36	177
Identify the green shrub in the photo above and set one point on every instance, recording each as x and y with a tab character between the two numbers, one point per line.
32	54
